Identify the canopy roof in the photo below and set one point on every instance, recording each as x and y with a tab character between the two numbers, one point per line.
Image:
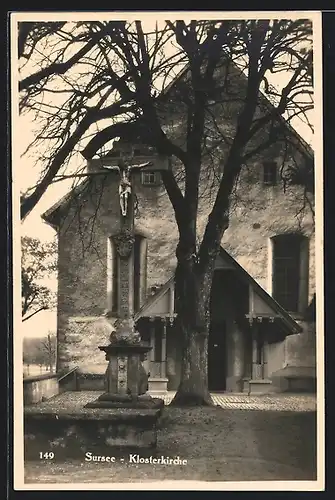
261	304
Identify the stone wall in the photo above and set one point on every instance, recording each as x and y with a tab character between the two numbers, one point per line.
40	388
261	213
275	357
300	349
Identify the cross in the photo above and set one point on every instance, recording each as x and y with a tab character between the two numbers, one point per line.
125	185
123	374
125	162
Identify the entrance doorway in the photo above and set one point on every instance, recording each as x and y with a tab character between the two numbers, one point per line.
217	357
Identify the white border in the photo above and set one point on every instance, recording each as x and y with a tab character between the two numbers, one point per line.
317	485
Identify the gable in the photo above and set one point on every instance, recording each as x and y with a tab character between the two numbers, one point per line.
160	304
257	305
261	304
227	123
222	263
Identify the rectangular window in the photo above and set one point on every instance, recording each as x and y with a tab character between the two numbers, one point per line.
286	271
270	173
150	178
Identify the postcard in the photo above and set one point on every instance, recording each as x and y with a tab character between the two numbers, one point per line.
167	250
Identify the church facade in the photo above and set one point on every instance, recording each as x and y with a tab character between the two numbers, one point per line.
262	294
262	310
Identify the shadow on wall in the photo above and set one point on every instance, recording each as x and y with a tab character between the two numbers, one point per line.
295	379
299	372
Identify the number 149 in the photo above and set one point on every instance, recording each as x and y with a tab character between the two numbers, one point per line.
48	455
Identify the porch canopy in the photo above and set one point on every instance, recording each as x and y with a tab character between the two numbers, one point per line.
261	305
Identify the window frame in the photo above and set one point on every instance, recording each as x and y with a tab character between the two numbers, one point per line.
296	261
156	178
270	176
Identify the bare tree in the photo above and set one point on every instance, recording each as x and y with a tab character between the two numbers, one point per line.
38	262
47	348
124	89
40	351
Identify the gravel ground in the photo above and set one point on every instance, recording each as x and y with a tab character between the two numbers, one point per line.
272	402
219	444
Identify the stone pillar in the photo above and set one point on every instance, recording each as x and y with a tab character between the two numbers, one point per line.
125	283
258	383
171	300
235	379
256	367
152	338
265	359
110	277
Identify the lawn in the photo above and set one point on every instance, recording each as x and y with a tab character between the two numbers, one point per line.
218	444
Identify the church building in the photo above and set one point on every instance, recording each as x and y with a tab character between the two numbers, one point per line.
262	309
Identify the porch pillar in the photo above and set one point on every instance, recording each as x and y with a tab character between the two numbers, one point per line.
259	384
257	368
171	300
152	338
235	380
157	380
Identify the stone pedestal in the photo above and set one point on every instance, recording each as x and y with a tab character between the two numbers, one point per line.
126	379
260	386
126	386
158	385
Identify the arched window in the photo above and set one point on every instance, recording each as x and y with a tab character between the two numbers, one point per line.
290	271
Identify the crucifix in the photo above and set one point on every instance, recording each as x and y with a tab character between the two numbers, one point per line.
126	164
123	375
125	185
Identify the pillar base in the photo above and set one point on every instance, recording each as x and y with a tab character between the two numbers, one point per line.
260	386
158	384
234	384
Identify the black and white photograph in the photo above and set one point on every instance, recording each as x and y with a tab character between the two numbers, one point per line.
167	250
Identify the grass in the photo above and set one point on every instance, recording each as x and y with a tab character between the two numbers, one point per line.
218	444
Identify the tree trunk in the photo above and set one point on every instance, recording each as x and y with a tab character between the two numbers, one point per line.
192	300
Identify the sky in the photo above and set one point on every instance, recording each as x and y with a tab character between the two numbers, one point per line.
34	226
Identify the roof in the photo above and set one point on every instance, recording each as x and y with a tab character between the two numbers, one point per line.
154	298
48	215
291	325
275	306
264	100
